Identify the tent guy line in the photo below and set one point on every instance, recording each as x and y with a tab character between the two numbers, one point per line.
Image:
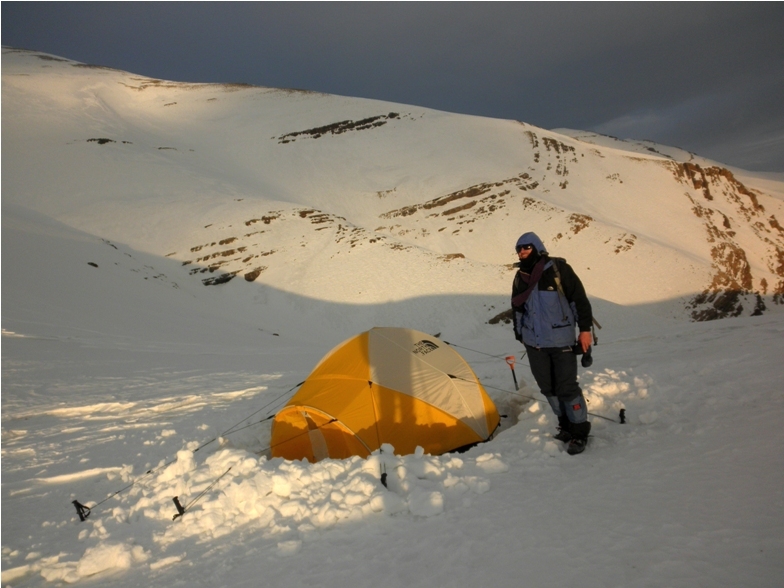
84	511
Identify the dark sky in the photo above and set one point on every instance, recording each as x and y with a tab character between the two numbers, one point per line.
707	77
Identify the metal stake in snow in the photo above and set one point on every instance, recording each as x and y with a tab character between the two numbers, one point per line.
82	510
510	359
182	509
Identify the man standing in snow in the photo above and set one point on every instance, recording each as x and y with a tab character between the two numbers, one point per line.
548	302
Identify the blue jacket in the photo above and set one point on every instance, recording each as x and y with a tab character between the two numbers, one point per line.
549	319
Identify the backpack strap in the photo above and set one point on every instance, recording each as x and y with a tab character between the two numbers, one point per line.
561	295
595	324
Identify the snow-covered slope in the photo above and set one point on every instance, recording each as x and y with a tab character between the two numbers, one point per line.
327	197
176	258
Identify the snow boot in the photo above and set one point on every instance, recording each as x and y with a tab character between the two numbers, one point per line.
576	446
579	438
564	430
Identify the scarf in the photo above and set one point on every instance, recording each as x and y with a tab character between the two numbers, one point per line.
530	280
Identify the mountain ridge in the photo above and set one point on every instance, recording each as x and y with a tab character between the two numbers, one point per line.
307	192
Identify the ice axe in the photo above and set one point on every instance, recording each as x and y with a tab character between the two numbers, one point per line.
510	360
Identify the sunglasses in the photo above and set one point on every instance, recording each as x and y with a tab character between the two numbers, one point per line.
527	247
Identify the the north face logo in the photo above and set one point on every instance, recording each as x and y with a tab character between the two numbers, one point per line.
424	347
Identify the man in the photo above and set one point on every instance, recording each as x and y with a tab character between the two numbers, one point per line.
549	301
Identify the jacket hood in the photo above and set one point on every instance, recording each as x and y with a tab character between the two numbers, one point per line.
534	240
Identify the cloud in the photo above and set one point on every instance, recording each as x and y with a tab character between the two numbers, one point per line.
657	124
733	125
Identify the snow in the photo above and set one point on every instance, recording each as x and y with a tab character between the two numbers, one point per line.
686	493
128	382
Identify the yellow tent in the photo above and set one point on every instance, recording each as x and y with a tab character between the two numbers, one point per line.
386	385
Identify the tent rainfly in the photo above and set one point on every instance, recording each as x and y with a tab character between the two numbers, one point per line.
386	385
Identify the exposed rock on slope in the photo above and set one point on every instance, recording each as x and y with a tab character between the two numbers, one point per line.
308	193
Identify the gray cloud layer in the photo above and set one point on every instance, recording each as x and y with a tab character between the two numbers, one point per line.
708	77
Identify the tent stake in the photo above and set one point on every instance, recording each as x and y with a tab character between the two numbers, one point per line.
510	359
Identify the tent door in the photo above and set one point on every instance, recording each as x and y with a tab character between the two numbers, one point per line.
317	441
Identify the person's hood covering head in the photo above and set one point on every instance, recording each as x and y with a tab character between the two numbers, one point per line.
531	239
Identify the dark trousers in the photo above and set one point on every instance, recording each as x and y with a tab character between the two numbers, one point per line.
555	372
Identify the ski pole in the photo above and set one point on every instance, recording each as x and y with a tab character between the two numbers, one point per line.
510	359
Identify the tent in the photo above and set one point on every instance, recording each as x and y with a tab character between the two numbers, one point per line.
386	385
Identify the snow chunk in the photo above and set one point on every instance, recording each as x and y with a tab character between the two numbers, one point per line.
281	486
101	558
287	548
551	448
646	418
184	464
104	557
167	561
425	504
389	502
14	574
491	463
